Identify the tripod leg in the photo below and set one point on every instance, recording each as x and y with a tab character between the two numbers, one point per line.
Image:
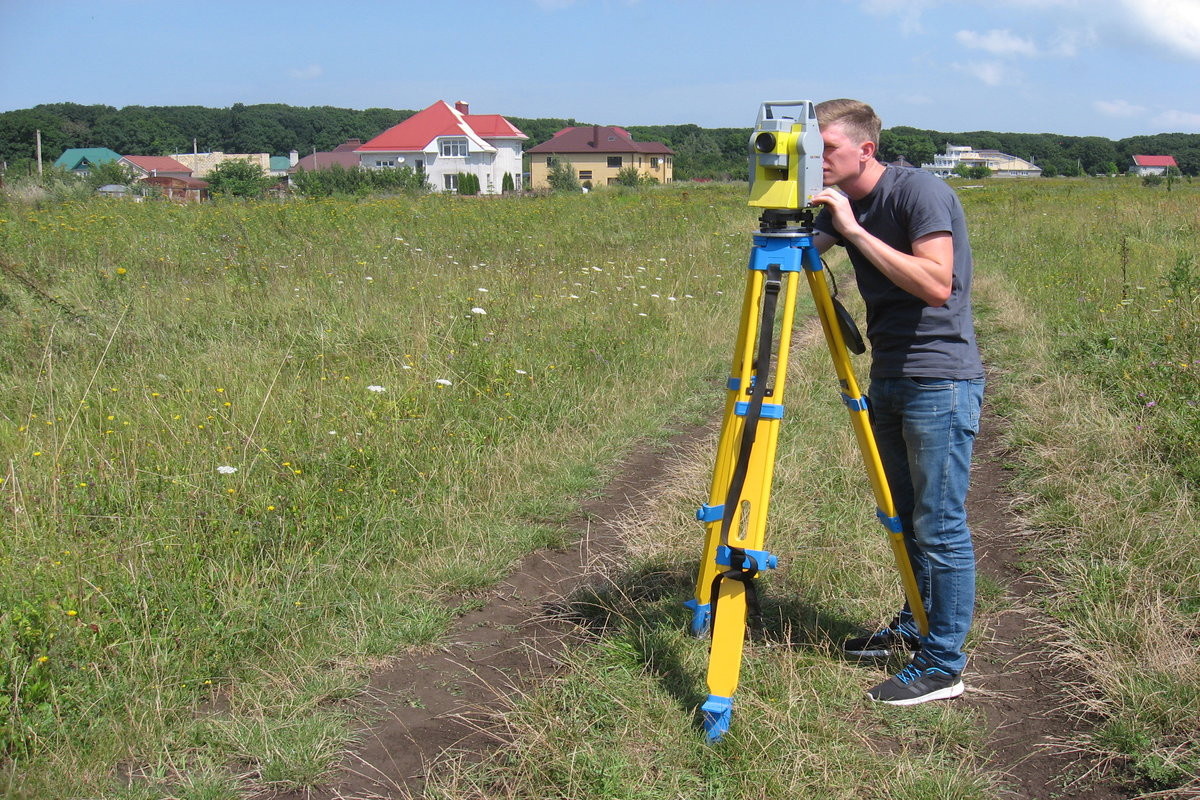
739	557
861	422
711	513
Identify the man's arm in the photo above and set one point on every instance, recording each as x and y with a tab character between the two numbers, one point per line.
927	274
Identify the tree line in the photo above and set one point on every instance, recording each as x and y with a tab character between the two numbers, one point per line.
717	153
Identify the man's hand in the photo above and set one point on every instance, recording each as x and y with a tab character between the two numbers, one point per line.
928	273
844	221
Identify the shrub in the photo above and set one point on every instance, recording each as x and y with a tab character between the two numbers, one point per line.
238	178
468	183
562	177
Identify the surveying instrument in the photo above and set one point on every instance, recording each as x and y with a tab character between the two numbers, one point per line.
785	173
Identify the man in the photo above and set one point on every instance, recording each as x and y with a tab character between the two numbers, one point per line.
906	236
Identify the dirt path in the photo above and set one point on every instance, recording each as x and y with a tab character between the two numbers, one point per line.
441	700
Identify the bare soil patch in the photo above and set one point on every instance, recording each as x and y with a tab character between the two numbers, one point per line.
431	703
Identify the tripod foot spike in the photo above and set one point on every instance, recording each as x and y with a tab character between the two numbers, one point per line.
717	712
701	617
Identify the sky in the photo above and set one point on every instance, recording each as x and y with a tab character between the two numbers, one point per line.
1111	68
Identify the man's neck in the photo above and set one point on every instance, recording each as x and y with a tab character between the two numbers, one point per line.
863	184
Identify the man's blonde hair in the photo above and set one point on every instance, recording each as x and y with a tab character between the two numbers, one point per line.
857	119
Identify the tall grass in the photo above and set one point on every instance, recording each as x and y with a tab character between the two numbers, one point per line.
252	450
248	447
1092	314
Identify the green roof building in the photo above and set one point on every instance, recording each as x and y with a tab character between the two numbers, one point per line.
81	159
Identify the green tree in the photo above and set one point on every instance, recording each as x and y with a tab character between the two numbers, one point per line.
468	183
908	143
506	184
238	178
629	176
562	177
111	172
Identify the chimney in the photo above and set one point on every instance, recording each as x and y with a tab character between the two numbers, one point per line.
461	107
293	158
596	136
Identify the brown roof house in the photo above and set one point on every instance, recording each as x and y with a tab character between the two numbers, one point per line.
154	166
341	156
598	153
181	190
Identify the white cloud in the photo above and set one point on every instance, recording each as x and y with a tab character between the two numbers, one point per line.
909	12
1178	121
1118	108
308	73
1174	23
1067	43
993	73
997	42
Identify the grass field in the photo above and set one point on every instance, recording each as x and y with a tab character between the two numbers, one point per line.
250	450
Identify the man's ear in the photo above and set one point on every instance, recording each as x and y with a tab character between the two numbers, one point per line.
868	149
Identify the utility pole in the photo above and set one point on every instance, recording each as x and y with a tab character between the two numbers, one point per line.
39	152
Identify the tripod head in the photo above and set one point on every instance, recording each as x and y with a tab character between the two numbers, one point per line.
785	156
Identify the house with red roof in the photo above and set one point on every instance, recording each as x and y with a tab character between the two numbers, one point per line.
1152	165
155	166
598	153
445	141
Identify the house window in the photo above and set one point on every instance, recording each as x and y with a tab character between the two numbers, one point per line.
380	163
653	162
454	148
585	174
550	160
451	182
614	162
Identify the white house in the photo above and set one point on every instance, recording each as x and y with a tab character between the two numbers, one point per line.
445	142
1152	165
999	163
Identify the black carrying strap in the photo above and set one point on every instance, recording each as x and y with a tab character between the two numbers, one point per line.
742	567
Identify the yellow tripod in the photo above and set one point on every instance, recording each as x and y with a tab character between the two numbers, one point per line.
736	513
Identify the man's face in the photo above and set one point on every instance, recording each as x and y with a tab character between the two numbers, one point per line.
842	158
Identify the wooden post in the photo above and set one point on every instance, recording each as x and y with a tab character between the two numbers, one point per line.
39	151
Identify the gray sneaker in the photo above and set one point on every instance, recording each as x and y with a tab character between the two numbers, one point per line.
918	683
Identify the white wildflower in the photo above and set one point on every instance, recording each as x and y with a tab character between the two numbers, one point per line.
376	388
478	310
443	382
226	470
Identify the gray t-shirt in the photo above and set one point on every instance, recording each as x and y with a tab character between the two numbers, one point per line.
908	337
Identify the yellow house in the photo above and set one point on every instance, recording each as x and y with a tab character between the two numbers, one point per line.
598	153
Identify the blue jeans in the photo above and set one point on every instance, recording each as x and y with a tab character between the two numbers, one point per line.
925	429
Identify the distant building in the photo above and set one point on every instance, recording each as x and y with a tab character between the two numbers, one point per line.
279	166
598	153
183	190
343	156
445	142
203	163
153	166
1152	165
999	163
80	160
112	190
